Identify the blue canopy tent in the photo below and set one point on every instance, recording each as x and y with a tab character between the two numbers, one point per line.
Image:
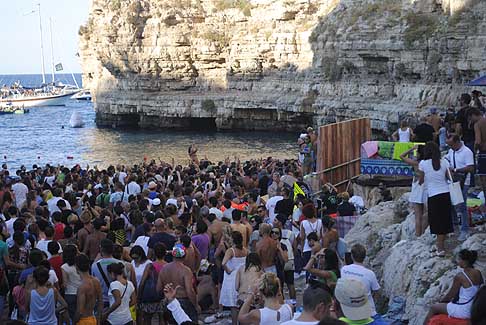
479	82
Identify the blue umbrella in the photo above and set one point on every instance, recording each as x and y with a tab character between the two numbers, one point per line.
479	82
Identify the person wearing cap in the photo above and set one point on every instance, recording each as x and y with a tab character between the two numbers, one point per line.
317	304
354	303
152	187
287	239
180	276
359	272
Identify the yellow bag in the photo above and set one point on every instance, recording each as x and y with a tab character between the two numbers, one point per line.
133	312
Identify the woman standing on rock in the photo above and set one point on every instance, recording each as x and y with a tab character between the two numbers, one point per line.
459	300
435	177
418	196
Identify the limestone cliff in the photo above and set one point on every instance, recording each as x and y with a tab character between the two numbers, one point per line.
279	64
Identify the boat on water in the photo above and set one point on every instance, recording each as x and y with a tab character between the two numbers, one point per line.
11	109
51	95
82	95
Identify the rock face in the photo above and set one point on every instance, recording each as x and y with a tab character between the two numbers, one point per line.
404	263
255	64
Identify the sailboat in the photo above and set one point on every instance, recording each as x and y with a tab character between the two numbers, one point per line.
52	94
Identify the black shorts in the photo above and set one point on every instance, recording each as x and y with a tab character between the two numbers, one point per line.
481	163
289	277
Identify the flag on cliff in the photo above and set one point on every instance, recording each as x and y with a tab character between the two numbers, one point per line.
297	190
59	67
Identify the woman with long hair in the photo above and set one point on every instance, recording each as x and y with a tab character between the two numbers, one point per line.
465	286
71	280
435	175
324	269
234	258
418	195
274	311
247	276
121	295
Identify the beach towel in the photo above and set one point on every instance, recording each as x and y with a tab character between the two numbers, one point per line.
401	147
446	320
385	149
369	149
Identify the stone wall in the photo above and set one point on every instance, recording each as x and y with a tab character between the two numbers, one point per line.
277	64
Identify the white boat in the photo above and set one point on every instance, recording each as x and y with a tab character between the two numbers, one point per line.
36	99
76	121
53	94
82	95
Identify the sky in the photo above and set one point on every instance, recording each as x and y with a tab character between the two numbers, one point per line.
19	32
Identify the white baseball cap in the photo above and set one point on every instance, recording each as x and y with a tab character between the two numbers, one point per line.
353	298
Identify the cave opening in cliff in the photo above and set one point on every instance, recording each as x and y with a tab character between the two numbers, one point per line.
202	123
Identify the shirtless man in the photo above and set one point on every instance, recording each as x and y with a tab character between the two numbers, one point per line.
480	144
239	227
215	230
181	277
92	246
267	249
193	257
89	294
86	230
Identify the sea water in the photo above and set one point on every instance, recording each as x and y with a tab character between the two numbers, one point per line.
44	136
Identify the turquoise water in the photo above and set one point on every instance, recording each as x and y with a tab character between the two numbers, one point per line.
39	138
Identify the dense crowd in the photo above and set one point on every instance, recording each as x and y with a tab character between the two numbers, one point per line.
160	242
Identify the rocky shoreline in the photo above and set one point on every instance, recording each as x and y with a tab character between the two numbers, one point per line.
403	263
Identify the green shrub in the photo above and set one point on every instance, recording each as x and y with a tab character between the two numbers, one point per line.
420	27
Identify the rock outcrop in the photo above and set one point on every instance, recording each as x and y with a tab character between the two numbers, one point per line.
404	263
284	64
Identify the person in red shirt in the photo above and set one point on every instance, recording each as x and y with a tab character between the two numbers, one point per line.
56	260
58	226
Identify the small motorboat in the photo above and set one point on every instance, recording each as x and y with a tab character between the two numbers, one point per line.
76	121
12	109
82	95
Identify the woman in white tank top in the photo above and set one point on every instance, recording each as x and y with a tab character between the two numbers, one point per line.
273	312
404	133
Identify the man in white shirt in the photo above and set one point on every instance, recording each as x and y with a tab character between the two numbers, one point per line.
52	203
317	304
214	208
132	188
358	271
271	203
43	243
20	190
461	160
12	213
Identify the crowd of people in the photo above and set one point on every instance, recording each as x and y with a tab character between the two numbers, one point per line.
160	242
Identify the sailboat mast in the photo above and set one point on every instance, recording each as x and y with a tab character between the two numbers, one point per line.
42	47
52	50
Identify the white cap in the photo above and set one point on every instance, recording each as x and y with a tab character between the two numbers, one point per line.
156	201
353	298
